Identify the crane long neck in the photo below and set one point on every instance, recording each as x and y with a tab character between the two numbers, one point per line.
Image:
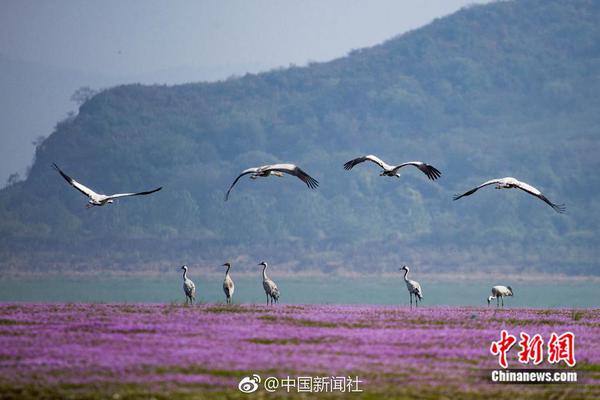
227	272
184	274
406	274
265	272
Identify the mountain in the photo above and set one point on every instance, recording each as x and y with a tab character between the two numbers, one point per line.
35	96
503	89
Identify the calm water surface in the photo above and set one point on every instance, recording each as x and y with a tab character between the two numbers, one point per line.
329	290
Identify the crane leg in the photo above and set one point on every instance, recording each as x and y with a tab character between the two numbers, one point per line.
502	301
410	295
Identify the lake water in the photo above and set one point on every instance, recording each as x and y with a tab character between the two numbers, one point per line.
296	290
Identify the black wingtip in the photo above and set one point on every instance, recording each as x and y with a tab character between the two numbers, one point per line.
456	197
65	176
431	172
348	166
559	208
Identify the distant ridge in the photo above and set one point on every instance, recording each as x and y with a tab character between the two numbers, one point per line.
503	89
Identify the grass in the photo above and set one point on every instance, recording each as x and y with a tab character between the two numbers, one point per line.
382	379
9	322
516	321
235	309
293	341
199	370
312	323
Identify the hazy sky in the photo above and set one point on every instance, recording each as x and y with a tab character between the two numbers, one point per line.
50	48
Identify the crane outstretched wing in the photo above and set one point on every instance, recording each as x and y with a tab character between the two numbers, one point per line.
470	192
559	208
350	164
83	189
244	172
118	195
431	172
296	171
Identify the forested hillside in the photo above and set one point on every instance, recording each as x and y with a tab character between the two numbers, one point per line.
504	89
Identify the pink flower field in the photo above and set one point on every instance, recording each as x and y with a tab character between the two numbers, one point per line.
196	352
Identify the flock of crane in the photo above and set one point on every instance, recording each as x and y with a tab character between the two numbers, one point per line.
271	289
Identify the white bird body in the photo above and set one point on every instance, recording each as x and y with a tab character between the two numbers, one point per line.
228	285
96	199
512	183
414	287
498	293
276	170
271	289
393	170
188	287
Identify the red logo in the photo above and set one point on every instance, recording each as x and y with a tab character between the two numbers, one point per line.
531	349
560	348
502	346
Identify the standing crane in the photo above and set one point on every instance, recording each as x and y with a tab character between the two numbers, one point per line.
270	287
498	293
228	286
413	287
188	287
